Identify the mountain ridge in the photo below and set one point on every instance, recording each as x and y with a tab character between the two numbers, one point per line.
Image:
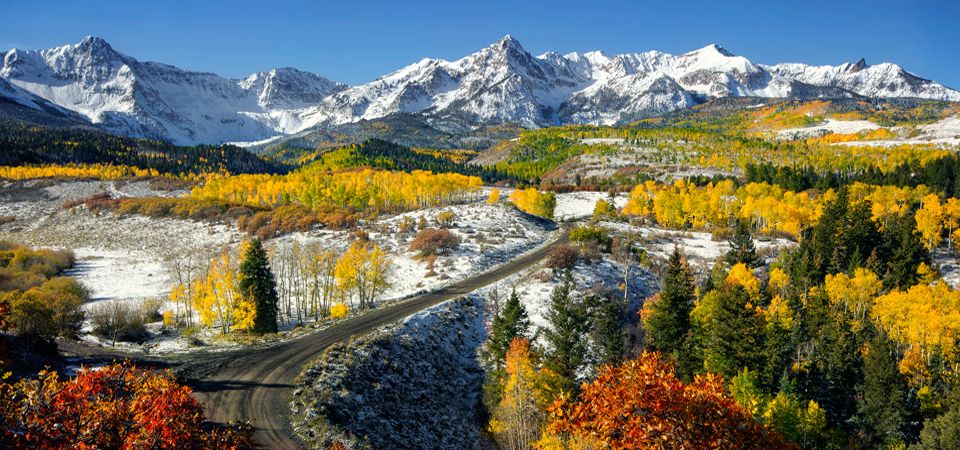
501	83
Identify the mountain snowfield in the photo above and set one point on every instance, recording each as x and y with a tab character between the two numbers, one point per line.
500	83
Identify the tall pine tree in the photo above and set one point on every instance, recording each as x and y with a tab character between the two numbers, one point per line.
882	396
742	249
257	283
608	331
565	333
668	324
511	322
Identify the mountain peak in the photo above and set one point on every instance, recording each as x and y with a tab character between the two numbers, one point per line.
860	65
507	42
713	49
90	41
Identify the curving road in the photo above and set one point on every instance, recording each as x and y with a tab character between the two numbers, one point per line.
255	385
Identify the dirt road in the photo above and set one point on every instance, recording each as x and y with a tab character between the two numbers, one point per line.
256	385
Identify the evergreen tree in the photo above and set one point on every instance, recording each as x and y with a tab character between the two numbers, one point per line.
882	396
941	433
257	283
831	372
904	248
565	334
511	322
734	339
742	249
608	331
668	324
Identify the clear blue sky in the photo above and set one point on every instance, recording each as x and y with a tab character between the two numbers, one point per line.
354	41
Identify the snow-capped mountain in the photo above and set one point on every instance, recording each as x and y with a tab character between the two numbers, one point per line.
500	83
148	99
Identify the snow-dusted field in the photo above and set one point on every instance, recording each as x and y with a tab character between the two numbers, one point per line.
489	235
829	126
580	204
945	132
126	259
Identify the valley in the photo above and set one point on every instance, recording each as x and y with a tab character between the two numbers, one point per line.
502	250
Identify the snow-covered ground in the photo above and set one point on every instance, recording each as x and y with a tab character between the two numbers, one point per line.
580	204
489	235
416	384
829	126
126	259
944	132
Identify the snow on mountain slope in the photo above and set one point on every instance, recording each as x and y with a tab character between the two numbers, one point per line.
500	83
147	99
883	80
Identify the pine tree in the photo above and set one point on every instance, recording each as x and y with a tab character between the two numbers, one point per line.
668	324
510	323
742	249
734	339
565	333
257	282
882	396
607	320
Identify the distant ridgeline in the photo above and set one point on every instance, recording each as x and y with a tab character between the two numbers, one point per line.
22	144
380	154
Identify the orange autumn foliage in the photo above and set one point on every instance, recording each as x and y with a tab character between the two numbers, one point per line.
641	404
117	406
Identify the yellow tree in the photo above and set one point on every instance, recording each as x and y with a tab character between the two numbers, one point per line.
362	270
218	299
519	417
930	221
494	196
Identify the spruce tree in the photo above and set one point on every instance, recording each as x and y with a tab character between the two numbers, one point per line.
565	333
669	320
511	322
608	332
742	249
258	284
734	339
882	396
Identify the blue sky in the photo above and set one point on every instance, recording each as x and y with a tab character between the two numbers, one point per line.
355	41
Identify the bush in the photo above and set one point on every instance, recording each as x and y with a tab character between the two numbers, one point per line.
51	310
563	257
445	219
117	406
431	241
118	321
592	235
406	224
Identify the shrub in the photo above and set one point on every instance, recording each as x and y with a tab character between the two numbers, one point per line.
339	311
51	310
406	224
431	241
563	257
118	321
592	235
445	219
117	406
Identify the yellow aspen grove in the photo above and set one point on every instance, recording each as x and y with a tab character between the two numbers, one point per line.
360	190
218	299
768	208
534	202
922	317
362	272
98	171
